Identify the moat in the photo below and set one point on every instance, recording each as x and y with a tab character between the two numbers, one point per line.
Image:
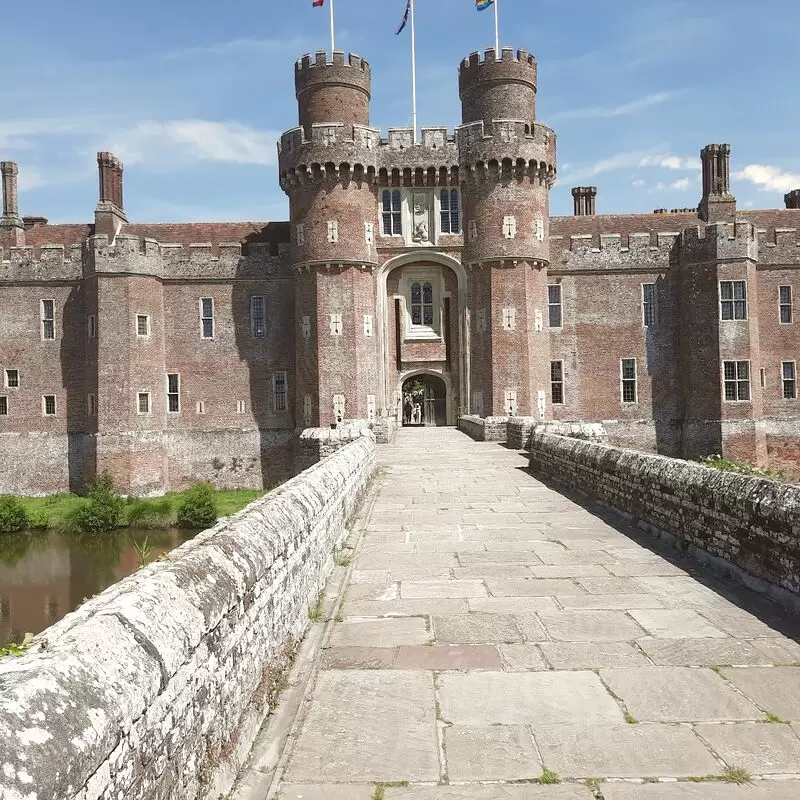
44	576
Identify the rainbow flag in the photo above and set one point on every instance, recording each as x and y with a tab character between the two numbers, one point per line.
482	5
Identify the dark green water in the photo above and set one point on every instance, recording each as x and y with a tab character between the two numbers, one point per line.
44	576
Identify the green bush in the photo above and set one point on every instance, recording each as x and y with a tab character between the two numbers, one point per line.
105	510
198	507
740	468
150	514
13	516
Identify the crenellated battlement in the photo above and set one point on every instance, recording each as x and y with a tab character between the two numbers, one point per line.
778	245
719	241
45	263
613	251
313	64
512	64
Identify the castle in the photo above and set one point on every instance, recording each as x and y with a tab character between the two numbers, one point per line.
168	353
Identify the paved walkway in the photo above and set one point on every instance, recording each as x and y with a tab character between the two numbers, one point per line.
494	631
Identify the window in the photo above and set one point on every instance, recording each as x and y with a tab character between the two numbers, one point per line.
736	375
473	230
12	379
538	230
477	403
307	409
628	379
200	408
258	317
300	234
785	304
336	324
207	317
649	305
557	382
370	407
367	324
91	405
789	374
91	326
450	216
143	403
48	319
369	232
49	405
279	390
3	406
142	325
509	319
422	303
306	327
510	227
733	300
173	393
241	406
480	320
391	213
333	231
554	305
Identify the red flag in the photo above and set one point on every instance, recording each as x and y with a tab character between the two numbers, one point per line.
318	3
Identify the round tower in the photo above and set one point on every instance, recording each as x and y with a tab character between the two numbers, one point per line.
327	168
507	165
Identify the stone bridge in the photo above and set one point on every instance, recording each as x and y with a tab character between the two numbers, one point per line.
484	635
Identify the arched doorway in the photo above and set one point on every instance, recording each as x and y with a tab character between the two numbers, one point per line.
424	401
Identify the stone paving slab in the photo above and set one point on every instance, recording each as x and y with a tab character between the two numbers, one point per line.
517	657
592	655
462	657
775	689
678	694
376	725
403	608
359	657
570	571
426	590
512	605
522	698
609	602
476	629
330	791
676	624
701	652
778	650
761	790
590	626
380	632
499	753
532	587
760	748
623	751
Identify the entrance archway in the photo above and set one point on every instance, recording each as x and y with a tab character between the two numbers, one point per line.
424	401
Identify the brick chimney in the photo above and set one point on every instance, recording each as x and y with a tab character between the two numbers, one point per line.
12	229
583	198
792	199
109	215
717	203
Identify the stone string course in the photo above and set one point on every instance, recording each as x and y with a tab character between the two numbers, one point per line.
748	526
156	688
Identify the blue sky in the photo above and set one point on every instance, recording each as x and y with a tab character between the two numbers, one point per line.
192	95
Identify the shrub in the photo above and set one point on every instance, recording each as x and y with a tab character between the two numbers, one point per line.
149	514
740	468
13	516
105	509
198	508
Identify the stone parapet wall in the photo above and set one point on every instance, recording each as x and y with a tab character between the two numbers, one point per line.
315	444
156	688
483	429
518	432
385	429
750	527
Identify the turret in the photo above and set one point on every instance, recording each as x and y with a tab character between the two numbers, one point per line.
337	91
507	166
12	229
792	199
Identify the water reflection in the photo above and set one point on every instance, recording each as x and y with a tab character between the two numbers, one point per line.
44	576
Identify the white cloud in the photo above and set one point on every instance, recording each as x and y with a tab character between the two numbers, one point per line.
638	183
634	159
30	178
769	178
680	185
183	142
616	111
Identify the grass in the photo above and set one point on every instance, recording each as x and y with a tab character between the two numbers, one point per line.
776	719
380	788
729	775
630	719
740	468
548	776
316	613
153	513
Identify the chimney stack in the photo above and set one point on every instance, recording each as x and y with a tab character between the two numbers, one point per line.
792	199
109	215
12	230
584	201
717	203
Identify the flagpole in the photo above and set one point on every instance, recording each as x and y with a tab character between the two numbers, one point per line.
496	28
413	74
333	41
